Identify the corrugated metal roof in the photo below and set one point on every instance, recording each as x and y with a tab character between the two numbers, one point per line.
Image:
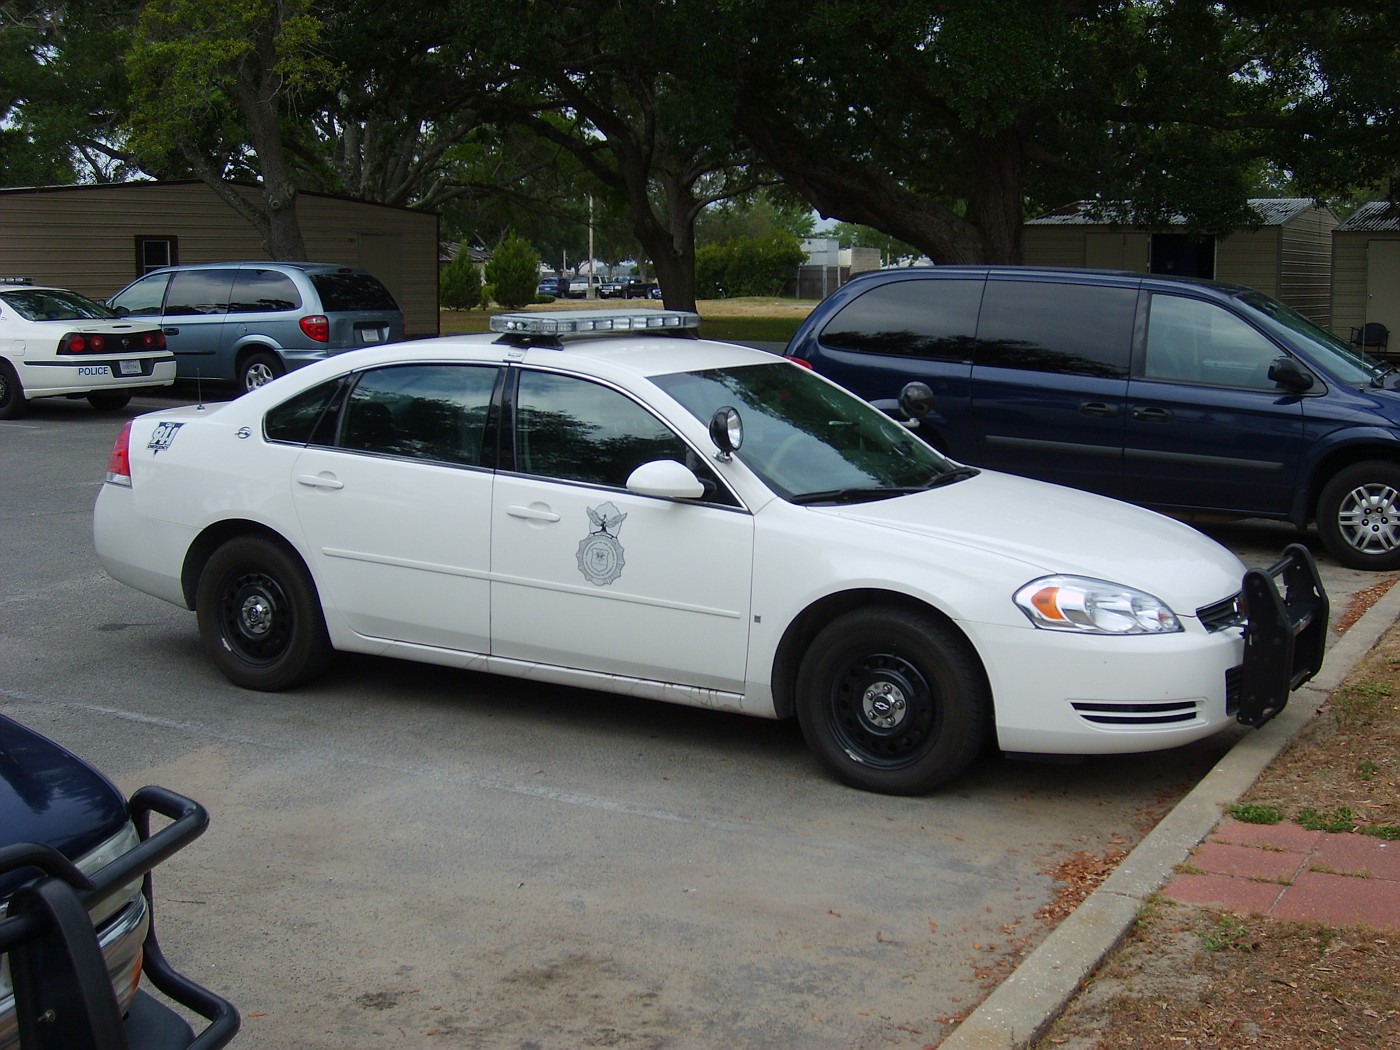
1373	217
1273	211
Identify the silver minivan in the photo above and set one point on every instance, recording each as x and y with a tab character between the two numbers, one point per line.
249	322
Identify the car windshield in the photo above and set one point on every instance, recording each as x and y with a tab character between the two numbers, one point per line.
51	304
809	440
1342	360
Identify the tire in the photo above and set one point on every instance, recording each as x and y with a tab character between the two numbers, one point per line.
13	403
109	402
259	617
860	662
259	369
1358	516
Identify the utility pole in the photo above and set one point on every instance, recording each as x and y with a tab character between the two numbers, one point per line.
592	265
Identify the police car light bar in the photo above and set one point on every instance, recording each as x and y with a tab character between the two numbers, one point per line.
584	322
16	280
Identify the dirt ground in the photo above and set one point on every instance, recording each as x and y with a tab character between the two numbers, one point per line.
1197	977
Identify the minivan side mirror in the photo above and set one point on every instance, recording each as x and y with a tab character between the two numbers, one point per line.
1290	375
916	400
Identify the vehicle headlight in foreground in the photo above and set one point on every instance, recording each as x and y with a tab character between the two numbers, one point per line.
1074	603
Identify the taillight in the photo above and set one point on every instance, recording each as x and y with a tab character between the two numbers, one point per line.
317	327
79	343
119	460
798	361
153	340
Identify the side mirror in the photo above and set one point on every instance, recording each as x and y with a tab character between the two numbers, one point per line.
1290	375
916	400
666	479
120	311
726	430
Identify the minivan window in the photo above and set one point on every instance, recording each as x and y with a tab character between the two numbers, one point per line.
1052	326
1193	341
933	320
199	292
257	291
346	290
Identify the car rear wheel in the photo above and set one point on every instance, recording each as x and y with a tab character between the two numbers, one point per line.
1358	516
12	400
891	700
259	617
259	369
108	402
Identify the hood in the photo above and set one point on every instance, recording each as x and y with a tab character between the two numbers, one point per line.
1053	529
51	796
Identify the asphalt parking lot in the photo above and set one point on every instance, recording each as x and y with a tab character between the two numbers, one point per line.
409	856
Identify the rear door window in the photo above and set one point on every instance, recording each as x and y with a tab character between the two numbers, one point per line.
1047	326
199	292
926	319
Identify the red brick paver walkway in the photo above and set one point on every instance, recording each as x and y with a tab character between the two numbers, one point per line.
1285	871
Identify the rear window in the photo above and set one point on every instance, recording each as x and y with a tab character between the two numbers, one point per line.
928	319
350	291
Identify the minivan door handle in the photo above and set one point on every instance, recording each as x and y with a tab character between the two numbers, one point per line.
1152	415
1101	409
171	331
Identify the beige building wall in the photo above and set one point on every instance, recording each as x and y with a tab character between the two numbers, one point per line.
85	238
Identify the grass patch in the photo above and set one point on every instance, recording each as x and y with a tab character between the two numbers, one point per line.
1252	813
1339	819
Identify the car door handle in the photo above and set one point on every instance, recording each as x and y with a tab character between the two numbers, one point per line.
535	513
319	481
171	331
1101	409
1152	415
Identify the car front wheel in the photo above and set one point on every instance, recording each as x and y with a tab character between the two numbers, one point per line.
259	617
893	701
1358	516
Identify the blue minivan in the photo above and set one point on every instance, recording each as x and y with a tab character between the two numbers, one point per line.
1183	395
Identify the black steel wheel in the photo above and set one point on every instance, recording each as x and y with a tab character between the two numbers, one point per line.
108	402
13	403
259	617
893	701
1358	516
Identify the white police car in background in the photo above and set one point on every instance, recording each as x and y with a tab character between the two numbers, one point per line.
583	498
57	343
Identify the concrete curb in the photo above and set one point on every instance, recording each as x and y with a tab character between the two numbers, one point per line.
1022	1007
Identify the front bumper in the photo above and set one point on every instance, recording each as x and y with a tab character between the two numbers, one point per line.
1058	694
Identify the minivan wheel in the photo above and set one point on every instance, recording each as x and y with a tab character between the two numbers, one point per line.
1358	516
891	700
259	617
258	370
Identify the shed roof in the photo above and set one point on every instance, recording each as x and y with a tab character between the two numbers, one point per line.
1272	211
1373	217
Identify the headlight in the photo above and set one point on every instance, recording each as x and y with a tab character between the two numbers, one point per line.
1073	603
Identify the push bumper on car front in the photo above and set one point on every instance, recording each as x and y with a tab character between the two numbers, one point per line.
1285	633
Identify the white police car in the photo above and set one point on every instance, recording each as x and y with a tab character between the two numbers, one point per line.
57	343
583	498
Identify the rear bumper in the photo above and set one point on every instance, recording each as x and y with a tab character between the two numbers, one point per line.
97	376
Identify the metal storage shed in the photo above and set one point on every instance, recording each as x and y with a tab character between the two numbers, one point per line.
1366	271
1289	255
97	238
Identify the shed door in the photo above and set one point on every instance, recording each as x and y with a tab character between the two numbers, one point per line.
1383	285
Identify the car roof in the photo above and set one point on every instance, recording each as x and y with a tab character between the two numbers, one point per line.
1068	274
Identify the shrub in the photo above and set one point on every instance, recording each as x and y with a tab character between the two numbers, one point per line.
513	272
459	285
747	266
